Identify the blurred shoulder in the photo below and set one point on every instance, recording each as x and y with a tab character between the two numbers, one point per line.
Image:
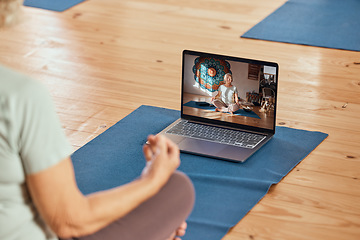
17	85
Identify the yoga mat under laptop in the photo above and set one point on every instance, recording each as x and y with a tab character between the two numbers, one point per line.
225	191
239	112
54	5
322	23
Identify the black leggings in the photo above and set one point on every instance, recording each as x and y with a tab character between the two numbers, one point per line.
155	219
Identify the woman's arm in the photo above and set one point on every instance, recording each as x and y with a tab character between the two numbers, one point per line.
70	214
236	98
216	96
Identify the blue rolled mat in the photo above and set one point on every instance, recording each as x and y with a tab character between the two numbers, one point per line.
225	191
53	5
322	23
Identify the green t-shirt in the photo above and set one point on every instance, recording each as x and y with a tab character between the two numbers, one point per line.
31	140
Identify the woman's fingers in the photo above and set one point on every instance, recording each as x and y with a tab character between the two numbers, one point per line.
147	152
152	147
162	156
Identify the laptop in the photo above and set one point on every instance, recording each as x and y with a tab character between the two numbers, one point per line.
221	120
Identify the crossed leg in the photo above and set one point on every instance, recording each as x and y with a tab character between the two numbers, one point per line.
161	217
221	106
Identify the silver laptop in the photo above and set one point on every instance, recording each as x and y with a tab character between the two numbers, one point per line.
228	121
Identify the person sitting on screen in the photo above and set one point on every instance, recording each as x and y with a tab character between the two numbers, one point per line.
226	100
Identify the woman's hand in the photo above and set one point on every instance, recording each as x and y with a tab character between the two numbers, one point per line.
163	158
71	214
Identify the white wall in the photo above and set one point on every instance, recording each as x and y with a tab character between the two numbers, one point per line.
239	72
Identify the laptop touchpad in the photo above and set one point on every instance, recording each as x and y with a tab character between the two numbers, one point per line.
199	146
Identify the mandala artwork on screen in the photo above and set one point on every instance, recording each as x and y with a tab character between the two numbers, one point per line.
209	73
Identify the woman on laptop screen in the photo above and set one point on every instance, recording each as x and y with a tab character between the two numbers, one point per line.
227	99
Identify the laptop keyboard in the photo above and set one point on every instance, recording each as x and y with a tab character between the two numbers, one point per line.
216	134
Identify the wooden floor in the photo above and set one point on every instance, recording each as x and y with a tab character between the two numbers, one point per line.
104	58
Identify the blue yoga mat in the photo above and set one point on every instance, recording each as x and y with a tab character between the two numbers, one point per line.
53	5
322	23
225	191
239	112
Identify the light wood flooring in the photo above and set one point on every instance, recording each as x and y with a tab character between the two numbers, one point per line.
104	58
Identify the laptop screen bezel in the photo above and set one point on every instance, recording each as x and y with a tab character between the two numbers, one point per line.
224	123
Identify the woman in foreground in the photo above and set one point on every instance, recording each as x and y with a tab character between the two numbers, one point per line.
39	198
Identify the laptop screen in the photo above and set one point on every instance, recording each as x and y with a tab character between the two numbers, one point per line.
230	91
